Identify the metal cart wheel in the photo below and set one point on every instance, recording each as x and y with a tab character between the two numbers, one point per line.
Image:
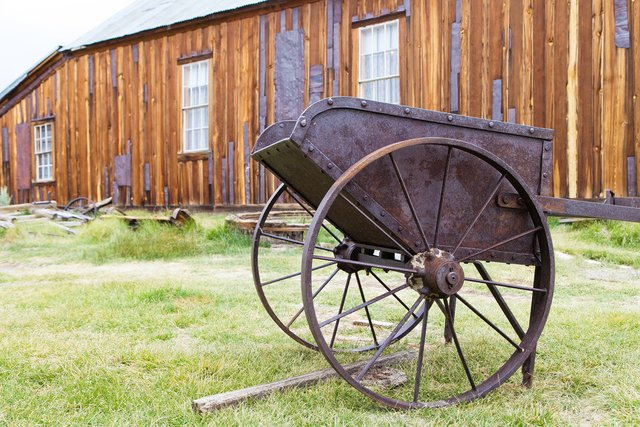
82	205
499	318
277	280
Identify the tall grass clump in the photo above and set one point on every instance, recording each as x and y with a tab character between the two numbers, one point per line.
109	240
226	239
616	233
115	240
5	197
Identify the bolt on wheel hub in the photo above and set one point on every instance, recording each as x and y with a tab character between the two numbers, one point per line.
438	274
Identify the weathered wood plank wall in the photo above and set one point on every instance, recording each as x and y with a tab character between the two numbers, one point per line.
570	65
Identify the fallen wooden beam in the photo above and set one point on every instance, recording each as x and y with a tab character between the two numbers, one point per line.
57	214
221	400
27	206
179	217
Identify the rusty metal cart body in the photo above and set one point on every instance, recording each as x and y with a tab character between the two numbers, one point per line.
409	212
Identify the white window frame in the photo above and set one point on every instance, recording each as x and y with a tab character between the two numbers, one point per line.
373	83
43	151
195	106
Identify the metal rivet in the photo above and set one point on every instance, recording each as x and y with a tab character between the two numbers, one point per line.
363	103
531	130
382	213
303	122
330	165
366	198
281	125
545	175
400	228
491	124
330	101
311	148
547	147
450	117
407	111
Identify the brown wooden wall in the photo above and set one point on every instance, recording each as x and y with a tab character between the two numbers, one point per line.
558	64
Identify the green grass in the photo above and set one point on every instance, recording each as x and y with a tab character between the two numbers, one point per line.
612	242
125	327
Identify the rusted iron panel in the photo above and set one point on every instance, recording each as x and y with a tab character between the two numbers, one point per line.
230	159
5	145
583	209
455	66
147	177
289	82
23	164
622	24
632	184
496	108
337	19
262	102
316	83
122	166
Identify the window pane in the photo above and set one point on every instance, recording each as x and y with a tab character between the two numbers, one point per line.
366	45
203	74
395	90
205	117
378	66
381	90
380	42
393	36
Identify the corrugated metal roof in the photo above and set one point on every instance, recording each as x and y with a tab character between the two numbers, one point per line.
24	76
143	15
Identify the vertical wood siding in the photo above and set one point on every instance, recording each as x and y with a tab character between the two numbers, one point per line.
570	65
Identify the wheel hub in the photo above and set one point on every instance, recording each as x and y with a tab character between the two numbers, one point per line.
347	249
438	274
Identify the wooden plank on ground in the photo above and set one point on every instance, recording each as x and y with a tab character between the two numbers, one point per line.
221	400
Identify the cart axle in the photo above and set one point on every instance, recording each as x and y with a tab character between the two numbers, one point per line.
438	274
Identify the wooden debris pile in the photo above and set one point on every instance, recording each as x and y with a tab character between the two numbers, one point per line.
76	213
178	218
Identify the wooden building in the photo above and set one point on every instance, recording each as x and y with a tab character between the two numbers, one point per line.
162	104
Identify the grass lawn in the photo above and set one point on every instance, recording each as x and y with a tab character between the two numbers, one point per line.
115	327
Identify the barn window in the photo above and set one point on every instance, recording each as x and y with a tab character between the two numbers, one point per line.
195	106
43	150
379	77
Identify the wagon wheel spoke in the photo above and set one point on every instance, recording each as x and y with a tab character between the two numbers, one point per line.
292	241
503	242
366	309
442	189
488	322
444	307
395	296
344	298
292	275
423	336
376	225
500	299
480	212
303	206
388	340
506	285
409	202
363	305
316	293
